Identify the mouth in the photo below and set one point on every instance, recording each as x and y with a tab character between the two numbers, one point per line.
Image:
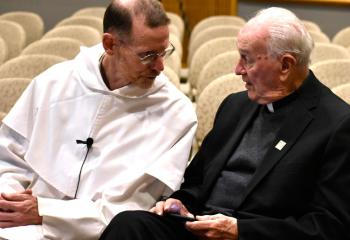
248	85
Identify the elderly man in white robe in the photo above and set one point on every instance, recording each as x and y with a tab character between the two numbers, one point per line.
97	135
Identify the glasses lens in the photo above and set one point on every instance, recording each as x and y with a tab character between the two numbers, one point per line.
153	57
149	58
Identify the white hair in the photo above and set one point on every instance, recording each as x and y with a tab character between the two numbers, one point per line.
286	33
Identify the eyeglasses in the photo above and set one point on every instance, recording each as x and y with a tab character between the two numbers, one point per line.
148	58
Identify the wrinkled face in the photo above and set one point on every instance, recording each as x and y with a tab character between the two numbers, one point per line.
144	41
260	71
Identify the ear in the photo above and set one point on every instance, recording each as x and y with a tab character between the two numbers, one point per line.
288	62
109	42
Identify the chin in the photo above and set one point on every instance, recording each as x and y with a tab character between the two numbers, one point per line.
145	84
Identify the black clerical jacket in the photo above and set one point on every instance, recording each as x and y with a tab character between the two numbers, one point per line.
301	189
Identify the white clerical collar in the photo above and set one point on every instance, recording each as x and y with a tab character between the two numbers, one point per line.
270	107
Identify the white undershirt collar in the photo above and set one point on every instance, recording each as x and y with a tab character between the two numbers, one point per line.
270	107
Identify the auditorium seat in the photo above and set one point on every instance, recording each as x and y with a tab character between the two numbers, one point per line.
3	50
10	90
328	51
216	20
14	36
211	98
342	37
209	34
90	21
28	66
332	72
204	54
63	47
32	24
343	91
221	64
91	11
87	35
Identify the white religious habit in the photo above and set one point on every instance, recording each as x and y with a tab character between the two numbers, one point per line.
142	140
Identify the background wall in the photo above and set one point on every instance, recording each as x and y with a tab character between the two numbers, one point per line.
330	18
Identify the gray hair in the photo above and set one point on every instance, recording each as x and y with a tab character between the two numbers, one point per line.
287	33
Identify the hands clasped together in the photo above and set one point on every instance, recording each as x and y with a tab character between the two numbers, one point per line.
19	209
207	227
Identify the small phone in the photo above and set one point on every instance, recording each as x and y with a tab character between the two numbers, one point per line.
179	217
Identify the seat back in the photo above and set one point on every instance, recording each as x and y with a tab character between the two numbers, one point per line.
343	91
210	100
63	47
177	44
319	37
91	11
90	21
216	20
172	75
178	22
209	34
87	35
32	24
3	50
311	26
14	36
342	37
28	66
222	64
174	62
205	53
332	73
328	51
10	90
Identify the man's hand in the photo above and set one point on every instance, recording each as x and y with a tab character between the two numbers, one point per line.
210	227
171	205
19	209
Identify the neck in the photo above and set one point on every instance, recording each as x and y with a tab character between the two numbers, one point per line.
109	76
102	71
300	75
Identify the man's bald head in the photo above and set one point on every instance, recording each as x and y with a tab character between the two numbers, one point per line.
120	15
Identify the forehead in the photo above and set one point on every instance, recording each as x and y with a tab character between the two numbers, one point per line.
144	35
252	40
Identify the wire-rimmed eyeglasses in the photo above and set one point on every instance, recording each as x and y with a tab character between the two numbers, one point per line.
148	58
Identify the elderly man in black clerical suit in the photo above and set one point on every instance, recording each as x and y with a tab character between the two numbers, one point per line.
275	166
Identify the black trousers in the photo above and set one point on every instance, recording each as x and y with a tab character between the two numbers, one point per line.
143	225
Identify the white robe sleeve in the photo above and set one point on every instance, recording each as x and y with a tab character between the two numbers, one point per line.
15	174
171	166
86	219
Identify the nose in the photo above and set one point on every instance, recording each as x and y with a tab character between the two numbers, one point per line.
158	64
240	69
